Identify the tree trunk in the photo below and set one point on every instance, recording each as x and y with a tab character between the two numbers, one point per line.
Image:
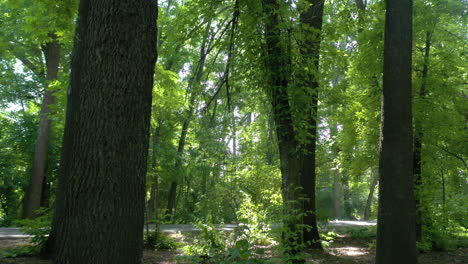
346	198
418	138
172	199
33	196
336	170
336	195
151	209
361	5
396	241
100	204
373	184
311	26
271	142
45	196
278	62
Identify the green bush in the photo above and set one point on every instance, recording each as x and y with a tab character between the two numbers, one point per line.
215	246
38	228
155	239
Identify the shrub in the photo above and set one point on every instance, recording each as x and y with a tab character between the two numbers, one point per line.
155	239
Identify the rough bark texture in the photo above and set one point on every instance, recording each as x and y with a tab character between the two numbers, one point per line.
33	197
418	139
396	217
100	204
311	21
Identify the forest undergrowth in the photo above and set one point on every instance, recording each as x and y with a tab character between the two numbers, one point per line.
210	246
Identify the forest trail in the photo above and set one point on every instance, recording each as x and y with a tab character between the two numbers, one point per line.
15	232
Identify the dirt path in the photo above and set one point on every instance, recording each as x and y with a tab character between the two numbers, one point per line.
15	232
343	250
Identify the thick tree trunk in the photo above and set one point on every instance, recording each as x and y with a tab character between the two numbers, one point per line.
33	197
311	22
418	138
396	241
100	204
373	184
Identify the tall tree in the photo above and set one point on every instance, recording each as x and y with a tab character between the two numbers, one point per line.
193	90
32	201
419	137
396	217
100	206
311	25
278	64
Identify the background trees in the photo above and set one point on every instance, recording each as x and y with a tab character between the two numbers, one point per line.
212	75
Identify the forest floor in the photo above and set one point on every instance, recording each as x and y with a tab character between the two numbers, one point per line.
343	250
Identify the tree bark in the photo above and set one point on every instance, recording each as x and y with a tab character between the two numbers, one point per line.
396	241
311	22
100	204
418	138
271	141
278	64
33	197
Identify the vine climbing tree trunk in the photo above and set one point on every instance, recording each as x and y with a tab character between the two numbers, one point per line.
396	217
34	193
309	46
100	204
278	63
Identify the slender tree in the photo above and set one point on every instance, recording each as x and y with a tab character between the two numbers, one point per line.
32	201
193	90
419	137
396	217
100	206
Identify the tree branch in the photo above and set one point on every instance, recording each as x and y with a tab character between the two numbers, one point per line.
454	155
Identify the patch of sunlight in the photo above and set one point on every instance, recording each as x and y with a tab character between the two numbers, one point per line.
351	251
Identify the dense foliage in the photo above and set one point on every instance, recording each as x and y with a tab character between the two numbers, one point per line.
213	147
